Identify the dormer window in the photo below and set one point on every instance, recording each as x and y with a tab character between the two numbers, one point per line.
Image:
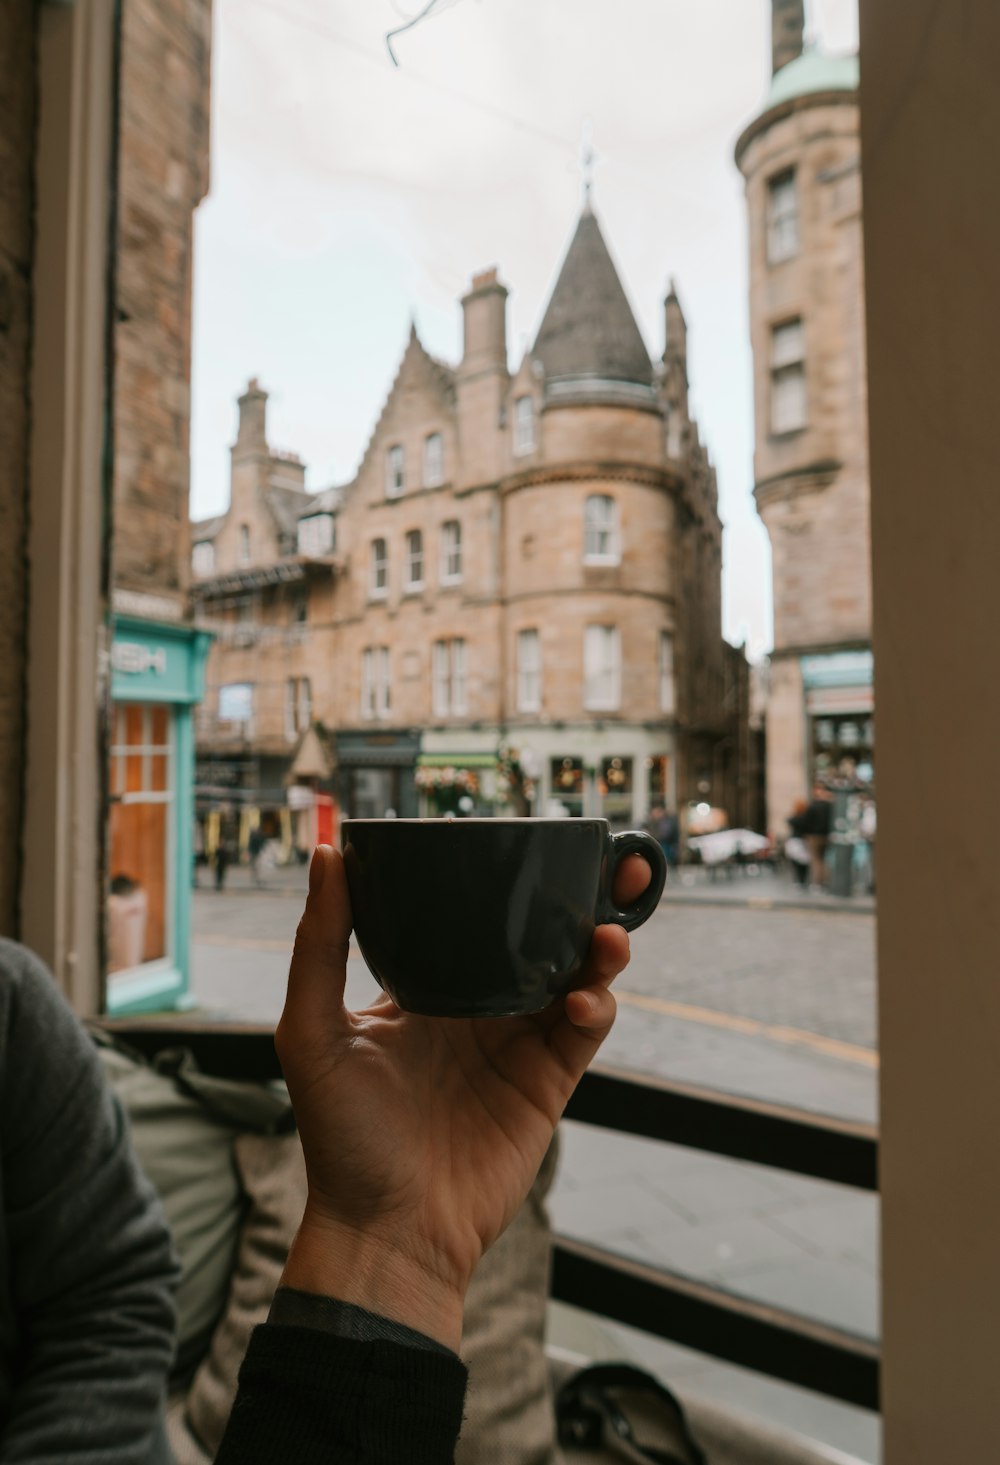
524	425
395	471
378	585
433	460
601	540
317	535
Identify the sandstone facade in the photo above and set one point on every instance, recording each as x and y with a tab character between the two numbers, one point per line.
470	522
801	162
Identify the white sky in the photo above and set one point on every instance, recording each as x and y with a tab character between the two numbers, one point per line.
348	195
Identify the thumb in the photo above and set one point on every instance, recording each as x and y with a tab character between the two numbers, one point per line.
318	971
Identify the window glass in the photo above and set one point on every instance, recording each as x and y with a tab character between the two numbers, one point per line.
203	558
529	671
379	584
414	559
524	425
139	903
601	668
788	377
395	471
236	702
244	544
600	531
782	217
316	534
451	551
667	698
433	460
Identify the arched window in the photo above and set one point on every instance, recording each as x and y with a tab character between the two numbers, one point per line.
524	425
601	540
244	544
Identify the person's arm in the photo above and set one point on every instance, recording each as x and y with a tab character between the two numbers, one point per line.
422	1138
90	1269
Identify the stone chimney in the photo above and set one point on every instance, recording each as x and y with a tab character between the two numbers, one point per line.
484	311
252	433
788	23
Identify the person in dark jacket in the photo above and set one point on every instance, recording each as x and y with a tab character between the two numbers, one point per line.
87	1270
422	1137
817	821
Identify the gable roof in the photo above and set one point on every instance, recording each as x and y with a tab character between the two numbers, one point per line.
326	502
588	329
285	505
203	529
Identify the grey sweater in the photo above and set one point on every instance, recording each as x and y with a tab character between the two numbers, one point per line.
86	1265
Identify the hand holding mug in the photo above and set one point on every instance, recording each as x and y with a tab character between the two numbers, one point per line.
423	1135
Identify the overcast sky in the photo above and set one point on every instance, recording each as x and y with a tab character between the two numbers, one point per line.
347	195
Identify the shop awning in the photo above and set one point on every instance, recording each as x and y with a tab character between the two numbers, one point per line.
457	760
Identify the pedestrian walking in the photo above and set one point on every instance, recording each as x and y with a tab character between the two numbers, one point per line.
664	828
221	864
817	821
255	848
796	849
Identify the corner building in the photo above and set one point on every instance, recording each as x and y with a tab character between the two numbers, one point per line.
800	158
525	575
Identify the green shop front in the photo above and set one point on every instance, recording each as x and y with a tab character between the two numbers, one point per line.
157	678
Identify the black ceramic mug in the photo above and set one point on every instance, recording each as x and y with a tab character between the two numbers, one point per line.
487	917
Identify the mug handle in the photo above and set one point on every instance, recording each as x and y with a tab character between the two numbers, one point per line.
635	842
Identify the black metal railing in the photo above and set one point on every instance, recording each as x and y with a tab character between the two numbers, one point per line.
694	1314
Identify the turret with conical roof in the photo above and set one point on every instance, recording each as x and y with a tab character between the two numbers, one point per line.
588	332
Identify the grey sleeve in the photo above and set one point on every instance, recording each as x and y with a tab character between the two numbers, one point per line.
89	1261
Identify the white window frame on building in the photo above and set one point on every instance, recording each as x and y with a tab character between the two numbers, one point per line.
524	424
529	670
668	692
782	217
788	377
243	549
317	535
414	559
378	582
433	460
236	703
601	537
451	552
395	471
376	696
448	678
298	706
602	668
203	558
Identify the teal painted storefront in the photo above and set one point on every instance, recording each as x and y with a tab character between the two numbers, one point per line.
157	679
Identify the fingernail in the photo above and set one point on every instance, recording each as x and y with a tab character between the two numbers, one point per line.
317	869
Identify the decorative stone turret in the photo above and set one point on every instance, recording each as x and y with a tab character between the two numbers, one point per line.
787	30
252	432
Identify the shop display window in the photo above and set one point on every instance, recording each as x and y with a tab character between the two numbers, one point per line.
139	863
567	784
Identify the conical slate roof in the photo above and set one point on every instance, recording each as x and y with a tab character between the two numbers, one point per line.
588	328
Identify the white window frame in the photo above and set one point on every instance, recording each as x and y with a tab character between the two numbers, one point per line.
782	216
789	403
433	460
602	668
524	424
529	670
378	569
202	558
451	552
668	686
601	536
316	535
376	695
395	471
448	677
414	559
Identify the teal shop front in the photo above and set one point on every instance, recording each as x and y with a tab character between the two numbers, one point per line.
157	678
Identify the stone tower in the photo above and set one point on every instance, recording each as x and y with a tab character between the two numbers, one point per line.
800	158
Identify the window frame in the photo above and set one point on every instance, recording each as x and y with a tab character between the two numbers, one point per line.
414	554
524	425
395	471
243	549
778	218
448	576
433	461
378	569
449	685
787	376
310	542
207	546
596	699
528	695
667	674
608	532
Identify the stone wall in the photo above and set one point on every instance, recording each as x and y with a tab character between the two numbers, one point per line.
163	175
17	130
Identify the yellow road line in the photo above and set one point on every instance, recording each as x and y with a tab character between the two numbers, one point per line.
832	1047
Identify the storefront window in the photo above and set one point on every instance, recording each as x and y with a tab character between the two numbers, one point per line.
615	789
567	784
142	794
843	748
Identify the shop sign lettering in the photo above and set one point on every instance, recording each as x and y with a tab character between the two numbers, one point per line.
133	658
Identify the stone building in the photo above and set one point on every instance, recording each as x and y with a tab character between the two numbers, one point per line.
514	604
157	655
801	160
